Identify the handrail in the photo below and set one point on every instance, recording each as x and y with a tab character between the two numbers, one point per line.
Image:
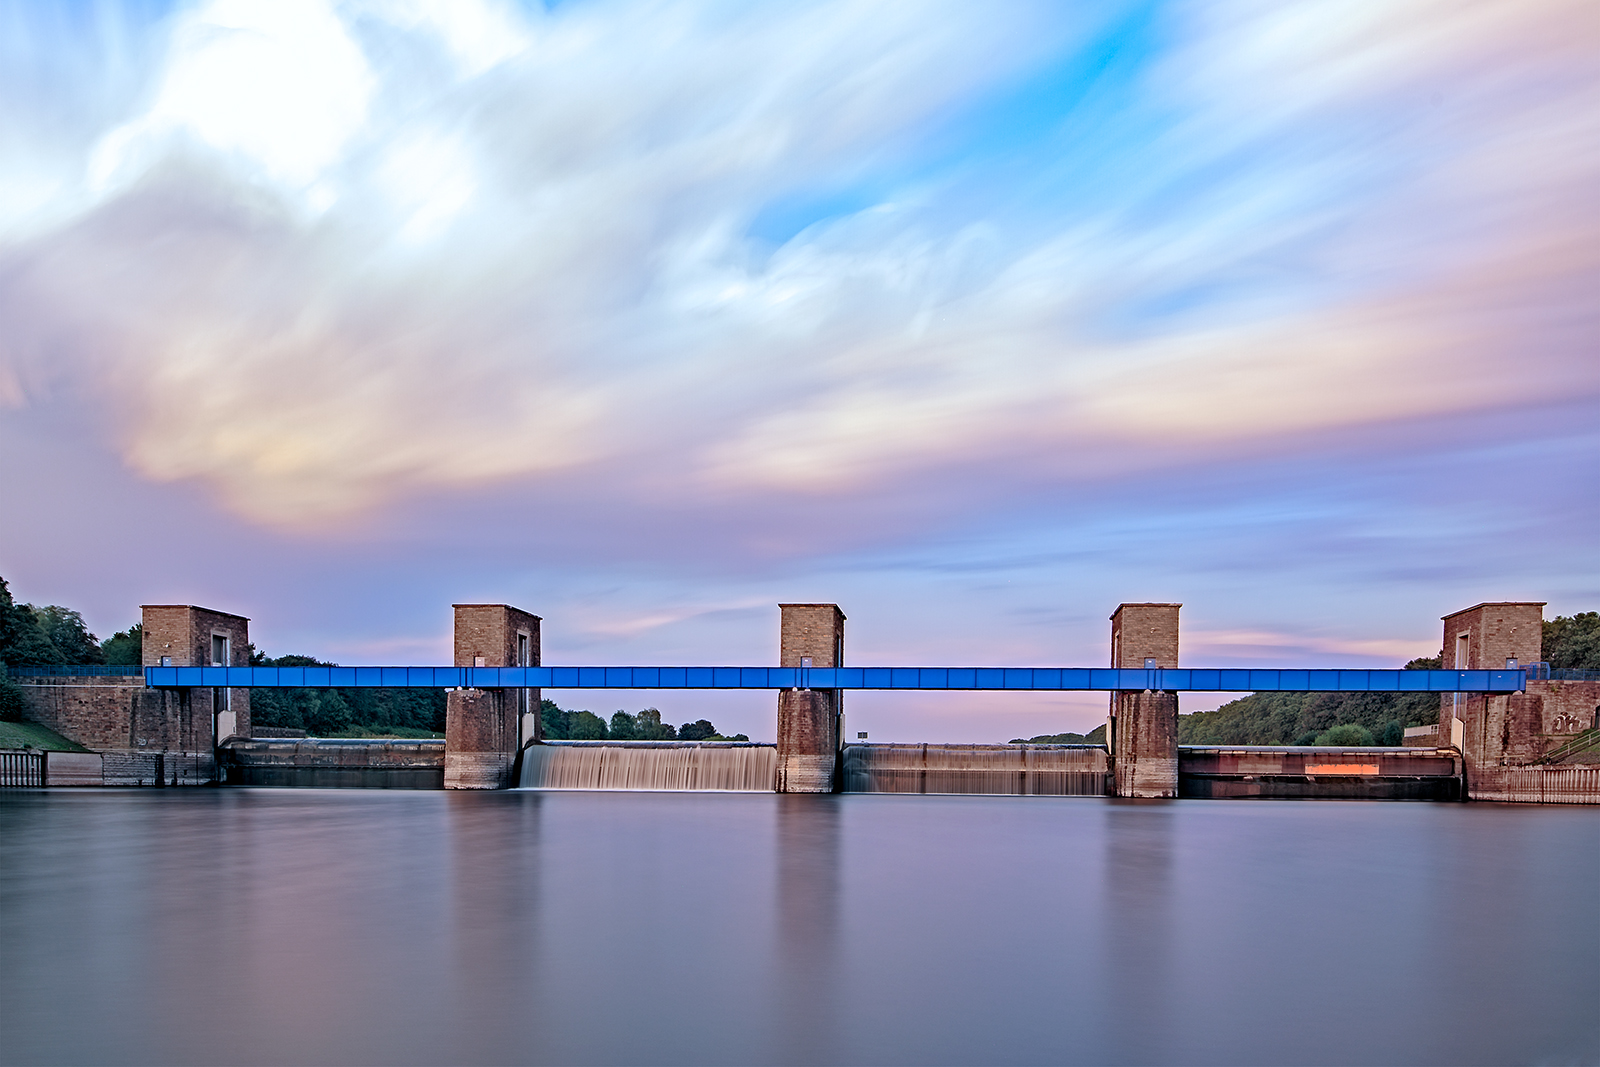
78	670
1582	743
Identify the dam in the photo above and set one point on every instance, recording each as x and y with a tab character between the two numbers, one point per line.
1508	728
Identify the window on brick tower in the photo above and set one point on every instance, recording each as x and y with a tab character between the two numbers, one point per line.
219	658
522	661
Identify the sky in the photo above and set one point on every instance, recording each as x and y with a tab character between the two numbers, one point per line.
975	319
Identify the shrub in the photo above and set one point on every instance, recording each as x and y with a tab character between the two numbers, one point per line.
1350	733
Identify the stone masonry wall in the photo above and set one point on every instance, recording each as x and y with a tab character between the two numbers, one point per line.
95	712
108	713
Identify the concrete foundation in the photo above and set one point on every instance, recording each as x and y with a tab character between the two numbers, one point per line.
335	763
486	728
809	726
1142	729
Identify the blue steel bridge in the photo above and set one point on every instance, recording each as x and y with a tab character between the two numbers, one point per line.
1022	679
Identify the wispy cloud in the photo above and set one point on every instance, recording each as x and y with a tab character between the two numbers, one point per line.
330	256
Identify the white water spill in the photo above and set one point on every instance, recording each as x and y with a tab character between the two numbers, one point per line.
706	766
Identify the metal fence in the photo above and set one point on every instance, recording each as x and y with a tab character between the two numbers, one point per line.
21	770
78	670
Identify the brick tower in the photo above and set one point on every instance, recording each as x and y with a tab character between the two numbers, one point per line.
812	635
1142	732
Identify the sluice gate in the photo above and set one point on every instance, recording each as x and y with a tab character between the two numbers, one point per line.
995	770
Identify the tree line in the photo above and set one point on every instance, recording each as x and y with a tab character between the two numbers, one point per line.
560	725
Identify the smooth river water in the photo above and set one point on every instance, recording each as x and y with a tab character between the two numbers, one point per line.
354	927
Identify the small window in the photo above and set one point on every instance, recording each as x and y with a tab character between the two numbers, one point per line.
219	650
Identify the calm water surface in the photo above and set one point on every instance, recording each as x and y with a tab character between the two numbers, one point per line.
306	926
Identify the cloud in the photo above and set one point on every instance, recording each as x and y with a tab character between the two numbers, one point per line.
343	256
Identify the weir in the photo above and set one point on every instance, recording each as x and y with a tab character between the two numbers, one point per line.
184	718
703	766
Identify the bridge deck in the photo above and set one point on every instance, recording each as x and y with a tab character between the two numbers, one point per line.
1197	680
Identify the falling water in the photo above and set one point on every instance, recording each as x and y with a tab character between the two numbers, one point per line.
1010	770
721	766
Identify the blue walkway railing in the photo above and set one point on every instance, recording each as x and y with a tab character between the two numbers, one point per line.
959	678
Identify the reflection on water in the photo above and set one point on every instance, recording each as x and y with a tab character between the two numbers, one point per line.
264	926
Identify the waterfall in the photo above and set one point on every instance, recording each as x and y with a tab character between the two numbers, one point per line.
1010	770
723	766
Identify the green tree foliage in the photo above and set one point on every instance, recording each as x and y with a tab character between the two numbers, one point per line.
321	712
560	725
645	726
32	636
651	728
1573	641
1051	739
66	630
10	701
563	725
1346	734
125	648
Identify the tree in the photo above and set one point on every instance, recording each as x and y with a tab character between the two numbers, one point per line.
11	705
1351	734
1572	641
329	713
624	727
649	726
698	730
125	648
66	630
585	726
